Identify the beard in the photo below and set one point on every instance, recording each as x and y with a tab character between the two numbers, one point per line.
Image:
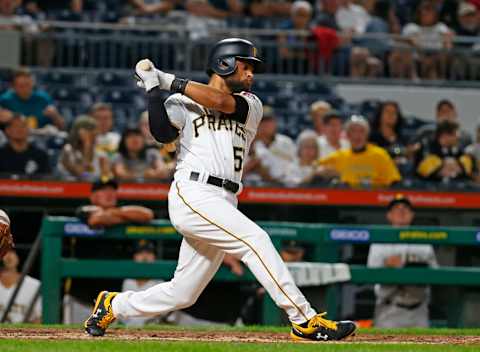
237	86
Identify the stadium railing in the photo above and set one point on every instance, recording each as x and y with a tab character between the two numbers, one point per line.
178	48
325	241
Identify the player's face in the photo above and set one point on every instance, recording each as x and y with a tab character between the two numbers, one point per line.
105	197
400	215
242	79
23	86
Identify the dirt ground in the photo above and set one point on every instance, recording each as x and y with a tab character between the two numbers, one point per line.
230	336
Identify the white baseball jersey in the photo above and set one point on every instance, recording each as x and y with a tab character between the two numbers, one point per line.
210	141
22	301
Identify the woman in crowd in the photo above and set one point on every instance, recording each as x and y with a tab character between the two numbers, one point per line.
303	170
79	159
387	132
135	161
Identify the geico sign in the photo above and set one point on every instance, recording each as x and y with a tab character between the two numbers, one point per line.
349	235
79	229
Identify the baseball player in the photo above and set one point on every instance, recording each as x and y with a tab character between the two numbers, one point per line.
215	124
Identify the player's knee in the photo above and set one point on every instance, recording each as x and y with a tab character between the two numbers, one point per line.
185	301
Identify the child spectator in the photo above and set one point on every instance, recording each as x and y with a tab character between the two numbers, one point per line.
19	157
445	159
79	159
35	104
135	161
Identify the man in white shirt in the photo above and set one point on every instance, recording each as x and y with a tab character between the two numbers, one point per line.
401	306
333	137
352	17
275	151
9	277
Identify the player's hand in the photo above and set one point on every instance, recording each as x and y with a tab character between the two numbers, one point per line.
150	77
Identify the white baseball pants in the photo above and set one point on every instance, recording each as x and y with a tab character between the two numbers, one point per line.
208	218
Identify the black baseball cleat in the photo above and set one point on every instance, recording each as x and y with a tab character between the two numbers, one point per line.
320	329
102	315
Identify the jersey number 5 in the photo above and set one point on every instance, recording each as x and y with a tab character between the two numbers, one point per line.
238	158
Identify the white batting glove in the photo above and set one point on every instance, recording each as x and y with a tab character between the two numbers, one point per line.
151	77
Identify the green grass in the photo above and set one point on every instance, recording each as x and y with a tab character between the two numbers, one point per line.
147	346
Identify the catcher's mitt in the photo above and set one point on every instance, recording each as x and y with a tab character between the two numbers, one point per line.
6	238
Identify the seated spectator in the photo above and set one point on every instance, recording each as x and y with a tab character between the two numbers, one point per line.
9	278
401	306
104	211
106	140
19	157
431	38
273	151
142	7
332	138
267	8
292	47
135	161
445	159
387	131
383	18
445	111
206	14
317	111
351	17
35	104
302	170
10	20
363	163
167	151
144	252
79	159
464	64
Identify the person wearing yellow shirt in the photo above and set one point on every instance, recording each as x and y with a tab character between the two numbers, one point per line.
362	164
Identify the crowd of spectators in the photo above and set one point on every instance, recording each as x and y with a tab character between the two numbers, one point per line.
429	37
349	150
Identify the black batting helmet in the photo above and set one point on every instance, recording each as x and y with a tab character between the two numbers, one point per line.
222	58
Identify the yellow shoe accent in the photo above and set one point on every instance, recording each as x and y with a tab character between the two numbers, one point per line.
315	322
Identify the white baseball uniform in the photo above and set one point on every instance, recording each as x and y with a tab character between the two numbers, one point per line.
211	143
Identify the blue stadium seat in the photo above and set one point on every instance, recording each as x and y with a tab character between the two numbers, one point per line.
59	78
111	79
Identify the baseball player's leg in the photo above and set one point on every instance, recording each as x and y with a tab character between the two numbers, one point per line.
197	263
203	212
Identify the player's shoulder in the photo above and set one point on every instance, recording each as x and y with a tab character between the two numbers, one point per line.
250	96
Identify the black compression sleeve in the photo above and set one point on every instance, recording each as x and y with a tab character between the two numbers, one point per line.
241	109
160	126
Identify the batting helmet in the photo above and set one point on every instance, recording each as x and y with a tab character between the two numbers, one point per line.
222	58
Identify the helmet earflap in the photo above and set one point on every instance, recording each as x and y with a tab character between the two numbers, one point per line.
225	66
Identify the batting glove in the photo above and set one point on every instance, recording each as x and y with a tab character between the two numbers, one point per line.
150	77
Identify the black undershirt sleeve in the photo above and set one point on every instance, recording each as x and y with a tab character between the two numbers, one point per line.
241	109
160	126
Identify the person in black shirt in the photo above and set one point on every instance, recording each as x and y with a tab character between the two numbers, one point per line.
18	156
